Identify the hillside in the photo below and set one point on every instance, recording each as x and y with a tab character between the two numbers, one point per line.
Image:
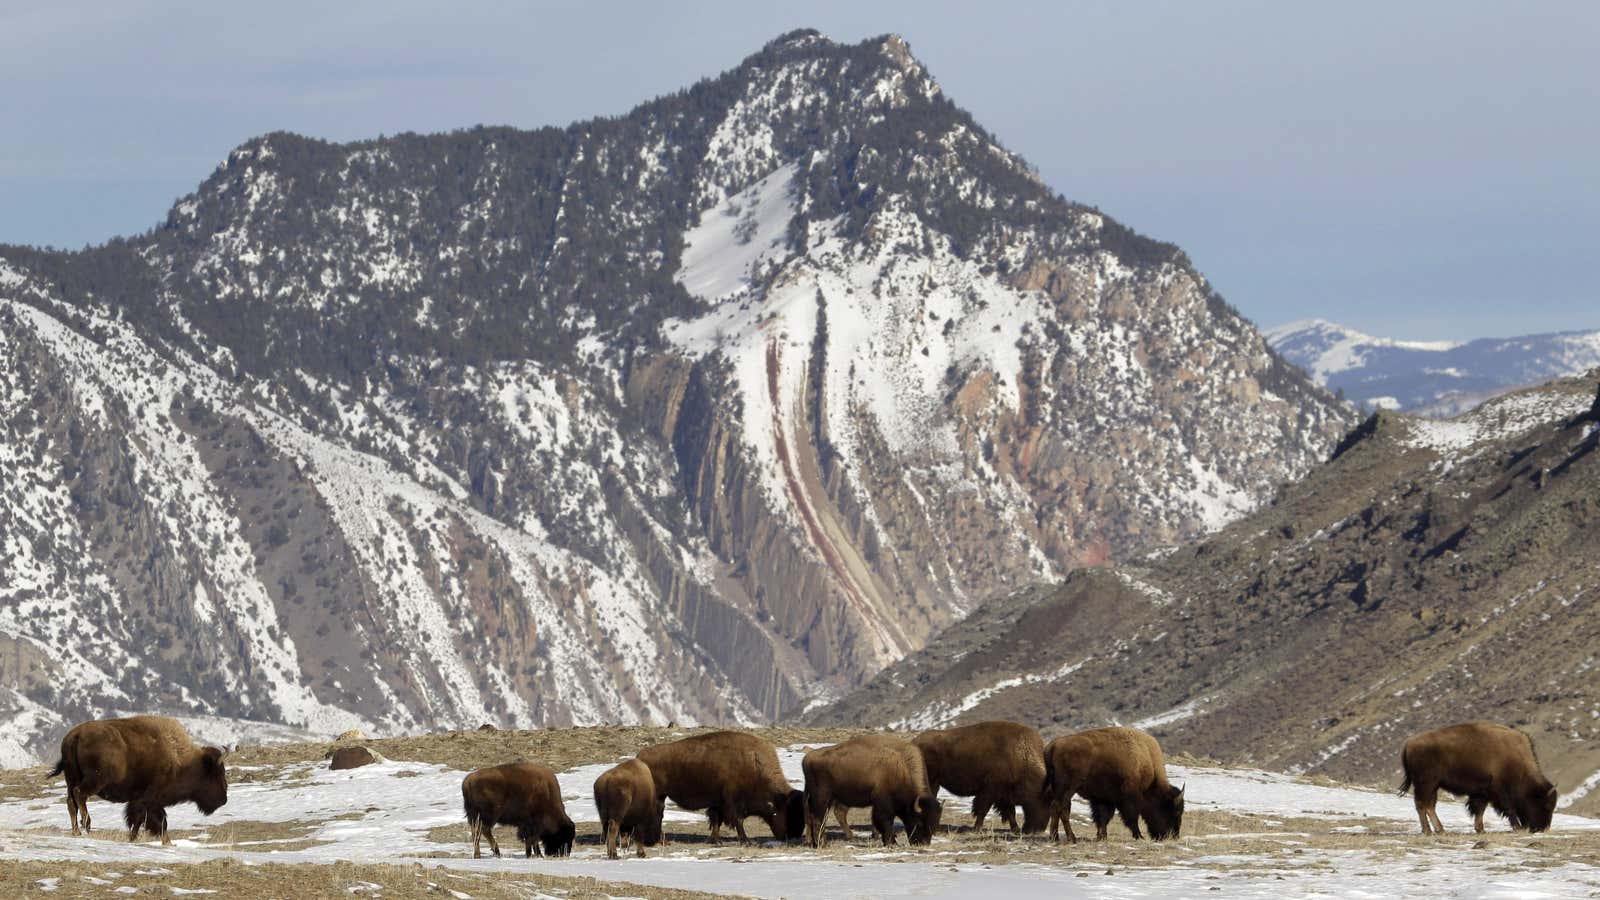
1430	378
1432	572
701	413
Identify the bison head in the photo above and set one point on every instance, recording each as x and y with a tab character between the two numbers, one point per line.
559	843
647	833
1538	805
929	809
210	791
793	817
1164	813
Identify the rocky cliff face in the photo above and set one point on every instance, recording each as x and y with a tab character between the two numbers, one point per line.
1433	572
706	412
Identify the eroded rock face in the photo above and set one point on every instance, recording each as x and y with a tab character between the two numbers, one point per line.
701	414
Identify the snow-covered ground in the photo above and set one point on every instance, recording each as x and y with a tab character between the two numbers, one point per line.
400	802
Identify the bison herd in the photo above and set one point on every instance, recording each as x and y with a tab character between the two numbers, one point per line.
149	763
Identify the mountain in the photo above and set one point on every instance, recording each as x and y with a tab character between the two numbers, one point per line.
702	413
1430	378
1432	572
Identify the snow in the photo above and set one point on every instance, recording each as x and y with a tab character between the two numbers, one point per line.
723	250
399	802
938	715
1579	792
1496	420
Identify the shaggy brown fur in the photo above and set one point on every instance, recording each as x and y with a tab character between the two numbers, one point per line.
730	775
1489	764
884	773
998	764
1119	771
147	762
523	794
629	806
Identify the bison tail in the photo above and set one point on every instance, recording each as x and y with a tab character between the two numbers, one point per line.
1405	785
1047	788
1405	766
61	766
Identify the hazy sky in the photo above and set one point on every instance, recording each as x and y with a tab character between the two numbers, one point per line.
1423	169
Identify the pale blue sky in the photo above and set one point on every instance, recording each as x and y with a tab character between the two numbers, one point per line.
1425	170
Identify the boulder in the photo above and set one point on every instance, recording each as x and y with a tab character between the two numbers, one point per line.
352	758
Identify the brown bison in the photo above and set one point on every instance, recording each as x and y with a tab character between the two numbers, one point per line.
883	773
997	764
1118	770
523	794
730	775
1489	764
147	762
626	800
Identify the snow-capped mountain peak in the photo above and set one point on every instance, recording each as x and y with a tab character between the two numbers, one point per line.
1435	378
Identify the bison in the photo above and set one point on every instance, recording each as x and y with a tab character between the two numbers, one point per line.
626	799
1118	770
147	762
523	794
998	764
730	775
884	773
1489	764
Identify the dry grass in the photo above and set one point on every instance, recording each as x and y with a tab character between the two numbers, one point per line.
559	748
232	879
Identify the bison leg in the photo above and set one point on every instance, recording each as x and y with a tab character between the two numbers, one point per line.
488	832
1008	813
83	807
883	823
714	819
1101	814
1130	818
1426	797
155	821
476	853
817	804
133	816
1061	811
980	809
738	826
72	806
612	827
841	814
1063	815
1476	806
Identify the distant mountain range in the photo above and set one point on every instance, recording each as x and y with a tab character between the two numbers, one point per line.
1430	378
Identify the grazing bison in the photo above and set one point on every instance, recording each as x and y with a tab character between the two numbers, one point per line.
626	799
522	794
1489	764
730	775
147	762
997	764
884	773
1118	770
